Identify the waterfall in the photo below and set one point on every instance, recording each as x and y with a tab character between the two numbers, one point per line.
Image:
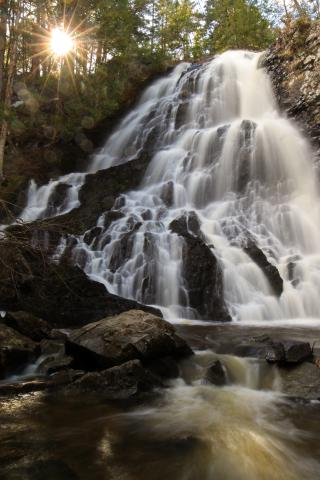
221	151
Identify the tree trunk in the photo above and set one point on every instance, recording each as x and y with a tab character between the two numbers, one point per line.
3	41
8	90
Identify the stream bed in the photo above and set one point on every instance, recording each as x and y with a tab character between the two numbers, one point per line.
247	429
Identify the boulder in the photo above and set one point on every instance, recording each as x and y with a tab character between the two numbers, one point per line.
15	350
119	383
28	325
288	352
297	352
216	374
271	272
131	335
201	271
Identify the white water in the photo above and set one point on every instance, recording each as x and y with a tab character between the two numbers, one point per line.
232	158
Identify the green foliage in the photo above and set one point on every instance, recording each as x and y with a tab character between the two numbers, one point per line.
236	24
119	45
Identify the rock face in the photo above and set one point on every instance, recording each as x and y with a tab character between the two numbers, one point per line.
132	335
60	294
294	64
15	350
201	270
270	271
99	193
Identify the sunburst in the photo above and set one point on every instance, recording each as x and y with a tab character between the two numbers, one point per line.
61	45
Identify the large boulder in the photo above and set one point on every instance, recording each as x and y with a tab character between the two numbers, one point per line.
15	350
201	270
131	335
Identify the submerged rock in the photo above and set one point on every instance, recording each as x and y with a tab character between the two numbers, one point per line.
216	374
131	335
119	383
201	271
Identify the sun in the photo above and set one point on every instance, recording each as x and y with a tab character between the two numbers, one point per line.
61	42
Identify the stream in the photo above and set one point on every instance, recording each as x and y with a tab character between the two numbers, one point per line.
223	152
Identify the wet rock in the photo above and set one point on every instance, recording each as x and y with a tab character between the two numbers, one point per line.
275	353
246	133
123	249
131	335
52	347
181	114
270	271
18	388
57	198
167	194
201	271
215	374
301	380
297	352
60	294
186	225
90	235
15	350
119	383
288	352
55	363
28	325
57	334
165	367
100	191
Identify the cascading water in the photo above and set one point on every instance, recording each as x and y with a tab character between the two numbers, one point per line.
221	149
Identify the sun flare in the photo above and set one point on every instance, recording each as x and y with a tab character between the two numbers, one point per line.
61	43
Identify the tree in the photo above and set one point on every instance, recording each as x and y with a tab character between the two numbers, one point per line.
7	89
236	24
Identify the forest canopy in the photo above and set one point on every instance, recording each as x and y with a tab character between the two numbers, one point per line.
113	46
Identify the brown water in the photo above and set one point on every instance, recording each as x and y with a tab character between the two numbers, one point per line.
195	431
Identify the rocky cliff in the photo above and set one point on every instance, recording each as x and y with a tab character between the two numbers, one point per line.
294	64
